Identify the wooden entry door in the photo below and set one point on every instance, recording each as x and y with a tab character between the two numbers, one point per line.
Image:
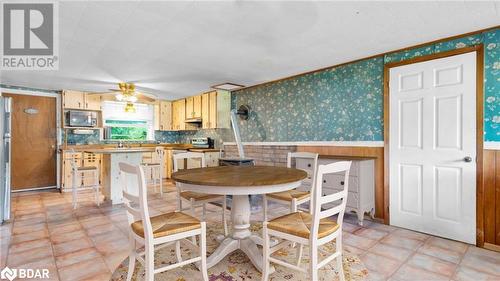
433	147
34	140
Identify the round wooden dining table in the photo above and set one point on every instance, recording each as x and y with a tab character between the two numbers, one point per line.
240	182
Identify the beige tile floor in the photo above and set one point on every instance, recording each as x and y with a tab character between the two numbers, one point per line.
89	243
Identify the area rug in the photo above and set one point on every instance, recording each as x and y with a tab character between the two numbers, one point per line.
237	266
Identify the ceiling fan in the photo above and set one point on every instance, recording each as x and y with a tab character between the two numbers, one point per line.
126	92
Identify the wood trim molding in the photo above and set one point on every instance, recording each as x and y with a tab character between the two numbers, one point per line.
316	143
479	130
373	56
491	145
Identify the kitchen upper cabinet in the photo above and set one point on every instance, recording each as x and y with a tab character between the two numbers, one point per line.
73	99
216	107
92	102
165	115
223	104
212	117
193	107
80	100
179	115
205	111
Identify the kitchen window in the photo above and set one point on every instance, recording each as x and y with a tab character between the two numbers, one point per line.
121	125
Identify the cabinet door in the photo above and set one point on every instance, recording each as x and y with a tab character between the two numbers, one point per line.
165	115
156	117
73	99
190	107
197	106
205	111
175	115
92	101
212	159
212	122
182	114
223	118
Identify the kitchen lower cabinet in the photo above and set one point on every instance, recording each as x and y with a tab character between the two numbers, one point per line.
361	188
82	160
212	159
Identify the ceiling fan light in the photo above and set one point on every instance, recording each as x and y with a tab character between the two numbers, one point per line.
130	108
133	99
119	97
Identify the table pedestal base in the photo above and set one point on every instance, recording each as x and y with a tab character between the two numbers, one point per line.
241	237
229	245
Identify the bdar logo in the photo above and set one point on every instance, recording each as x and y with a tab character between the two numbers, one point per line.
28	29
8	273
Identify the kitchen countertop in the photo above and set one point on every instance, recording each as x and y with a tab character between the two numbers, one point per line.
203	150
81	148
120	150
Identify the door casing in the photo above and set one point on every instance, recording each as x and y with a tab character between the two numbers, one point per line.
57	96
479	130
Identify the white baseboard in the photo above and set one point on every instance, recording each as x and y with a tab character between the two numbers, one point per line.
491	145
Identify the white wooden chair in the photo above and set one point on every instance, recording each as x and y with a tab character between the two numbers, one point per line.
159	231
156	167
196	199
312	229
293	197
78	176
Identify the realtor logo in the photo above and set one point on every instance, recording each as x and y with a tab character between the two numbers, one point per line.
8	273
24	273
30	33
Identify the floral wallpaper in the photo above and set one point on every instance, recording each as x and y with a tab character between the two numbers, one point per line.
345	103
492	86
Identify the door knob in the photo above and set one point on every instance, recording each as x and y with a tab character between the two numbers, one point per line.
468	159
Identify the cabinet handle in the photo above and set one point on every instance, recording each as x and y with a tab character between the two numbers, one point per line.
79	104
324	181
309	165
86	105
342	183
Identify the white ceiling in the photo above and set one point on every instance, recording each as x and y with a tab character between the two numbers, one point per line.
176	49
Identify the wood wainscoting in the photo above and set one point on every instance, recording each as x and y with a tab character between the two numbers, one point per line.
491	199
376	152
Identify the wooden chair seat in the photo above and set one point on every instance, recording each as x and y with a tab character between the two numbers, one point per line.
290	195
168	224
198	196
87	168
299	224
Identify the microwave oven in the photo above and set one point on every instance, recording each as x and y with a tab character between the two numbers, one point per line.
78	118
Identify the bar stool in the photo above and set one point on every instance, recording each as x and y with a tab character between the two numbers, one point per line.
80	174
156	168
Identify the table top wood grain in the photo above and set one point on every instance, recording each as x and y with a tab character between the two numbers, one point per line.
239	176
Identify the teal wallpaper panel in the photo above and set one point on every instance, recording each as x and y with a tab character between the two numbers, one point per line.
492	86
318	106
345	103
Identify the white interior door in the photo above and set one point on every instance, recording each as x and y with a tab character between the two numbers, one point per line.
432	147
